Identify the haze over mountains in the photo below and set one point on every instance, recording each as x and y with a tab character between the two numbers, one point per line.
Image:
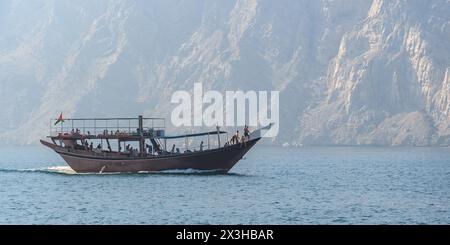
349	72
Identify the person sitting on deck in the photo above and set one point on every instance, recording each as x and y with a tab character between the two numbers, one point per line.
88	132
173	149
201	146
127	148
73	131
99	146
235	139
158	149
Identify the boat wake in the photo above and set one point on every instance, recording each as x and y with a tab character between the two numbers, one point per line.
53	169
66	170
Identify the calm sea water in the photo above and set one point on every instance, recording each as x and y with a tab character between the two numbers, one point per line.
307	185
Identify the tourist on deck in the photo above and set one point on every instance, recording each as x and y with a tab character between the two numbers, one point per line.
99	146
173	149
158	149
243	142
73	131
149	149
246	132
201	146
235	139
91	146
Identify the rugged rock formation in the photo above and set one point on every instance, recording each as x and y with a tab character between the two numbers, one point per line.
349	71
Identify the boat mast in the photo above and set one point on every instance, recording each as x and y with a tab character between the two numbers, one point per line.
141	133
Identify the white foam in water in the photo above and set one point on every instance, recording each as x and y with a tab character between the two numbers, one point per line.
54	169
60	169
66	170
70	171
182	171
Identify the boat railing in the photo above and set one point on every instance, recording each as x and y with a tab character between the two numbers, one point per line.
196	147
108	126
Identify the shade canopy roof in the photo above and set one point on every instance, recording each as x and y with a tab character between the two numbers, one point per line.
192	135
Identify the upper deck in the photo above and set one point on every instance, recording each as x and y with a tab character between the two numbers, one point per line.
109	128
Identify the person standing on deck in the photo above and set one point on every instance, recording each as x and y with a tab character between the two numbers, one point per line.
246	132
237	138
243	143
149	149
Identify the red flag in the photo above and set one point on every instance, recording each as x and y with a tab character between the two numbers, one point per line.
60	119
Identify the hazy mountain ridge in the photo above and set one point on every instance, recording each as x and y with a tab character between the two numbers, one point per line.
387	85
349	72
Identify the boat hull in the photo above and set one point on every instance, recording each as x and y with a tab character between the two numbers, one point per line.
217	160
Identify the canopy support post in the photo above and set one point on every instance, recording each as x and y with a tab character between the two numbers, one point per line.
218	134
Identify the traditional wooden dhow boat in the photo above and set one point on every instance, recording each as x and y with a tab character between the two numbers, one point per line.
74	139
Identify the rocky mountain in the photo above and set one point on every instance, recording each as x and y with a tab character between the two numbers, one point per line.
349	72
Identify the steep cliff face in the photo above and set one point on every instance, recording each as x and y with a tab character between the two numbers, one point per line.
387	84
348	71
